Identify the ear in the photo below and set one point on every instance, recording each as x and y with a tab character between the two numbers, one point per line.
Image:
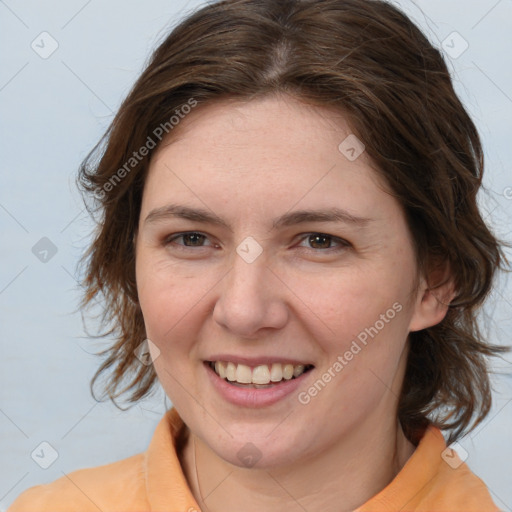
432	301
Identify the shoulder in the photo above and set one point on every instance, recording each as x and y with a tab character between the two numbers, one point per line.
459	487
434	478
116	486
454	484
152	480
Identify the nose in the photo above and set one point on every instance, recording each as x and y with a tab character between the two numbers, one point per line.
251	299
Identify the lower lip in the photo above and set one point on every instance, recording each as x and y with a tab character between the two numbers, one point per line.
254	397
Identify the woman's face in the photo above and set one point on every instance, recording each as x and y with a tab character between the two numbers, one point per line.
241	261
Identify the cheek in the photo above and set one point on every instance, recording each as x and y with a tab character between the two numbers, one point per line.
169	297
171	305
363	365
359	319
346	301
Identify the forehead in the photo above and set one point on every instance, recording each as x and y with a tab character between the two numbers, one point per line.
271	152
253	125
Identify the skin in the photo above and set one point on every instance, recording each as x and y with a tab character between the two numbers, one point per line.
249	163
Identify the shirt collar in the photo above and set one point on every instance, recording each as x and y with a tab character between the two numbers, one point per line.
424	480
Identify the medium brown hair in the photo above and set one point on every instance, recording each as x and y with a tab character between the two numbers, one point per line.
366	59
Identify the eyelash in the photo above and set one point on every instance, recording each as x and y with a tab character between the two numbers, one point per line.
343	244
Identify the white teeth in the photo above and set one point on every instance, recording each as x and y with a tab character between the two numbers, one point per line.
260	375
220	368
243	374
288	371
297	370
276	372
231	372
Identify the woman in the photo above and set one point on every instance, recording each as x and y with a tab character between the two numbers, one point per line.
289	227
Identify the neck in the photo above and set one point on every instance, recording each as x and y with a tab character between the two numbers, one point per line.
338	480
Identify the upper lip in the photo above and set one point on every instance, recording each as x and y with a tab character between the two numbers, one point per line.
256	361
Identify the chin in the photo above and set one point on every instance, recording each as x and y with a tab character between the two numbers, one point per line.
256	449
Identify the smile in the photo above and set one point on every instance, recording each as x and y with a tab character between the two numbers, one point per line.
261	376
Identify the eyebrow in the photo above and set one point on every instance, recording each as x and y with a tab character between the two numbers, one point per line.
288	219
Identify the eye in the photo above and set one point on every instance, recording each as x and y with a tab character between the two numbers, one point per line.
318	242
323	242
190	239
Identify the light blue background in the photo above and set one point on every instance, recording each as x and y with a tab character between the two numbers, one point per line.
54	110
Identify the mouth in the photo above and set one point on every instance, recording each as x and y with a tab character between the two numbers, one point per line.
260	376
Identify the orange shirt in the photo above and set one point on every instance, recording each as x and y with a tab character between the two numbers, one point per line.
154	481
